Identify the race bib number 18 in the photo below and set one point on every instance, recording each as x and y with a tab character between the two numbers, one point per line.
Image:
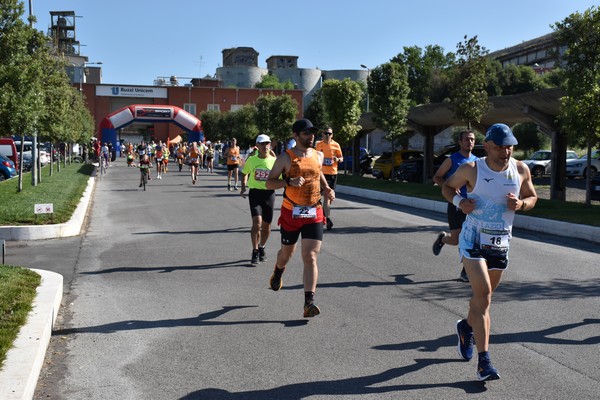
494	239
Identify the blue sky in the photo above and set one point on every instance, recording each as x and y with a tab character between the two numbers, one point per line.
140	40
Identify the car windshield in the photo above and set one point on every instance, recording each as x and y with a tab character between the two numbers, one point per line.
540	156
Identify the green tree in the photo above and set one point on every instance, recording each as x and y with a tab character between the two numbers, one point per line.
389	90
341	100
275	115
315	111
271	81
244	125
210	125
529	137
21	77
579	116
469	81
423	69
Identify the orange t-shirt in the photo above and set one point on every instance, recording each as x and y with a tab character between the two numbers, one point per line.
329	151
233	156
309	168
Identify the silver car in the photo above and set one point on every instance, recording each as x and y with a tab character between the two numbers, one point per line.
577	168
539	163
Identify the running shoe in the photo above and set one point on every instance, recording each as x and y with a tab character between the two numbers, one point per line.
235	188
261	254
254	257
486	371
229	186
275	281
463	275
140	185
311	310
438	244
465	339
329	224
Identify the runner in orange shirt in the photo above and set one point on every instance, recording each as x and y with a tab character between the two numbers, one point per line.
301	210
233	163
332	155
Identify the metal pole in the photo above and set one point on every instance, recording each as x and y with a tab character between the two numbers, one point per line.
368	74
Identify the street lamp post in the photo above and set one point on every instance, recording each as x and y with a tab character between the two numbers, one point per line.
368	73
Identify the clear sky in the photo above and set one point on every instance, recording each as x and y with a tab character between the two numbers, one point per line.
140	40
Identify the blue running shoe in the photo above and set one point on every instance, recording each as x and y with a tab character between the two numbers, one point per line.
465	339
485	370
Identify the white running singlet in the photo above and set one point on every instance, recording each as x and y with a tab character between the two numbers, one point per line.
489	226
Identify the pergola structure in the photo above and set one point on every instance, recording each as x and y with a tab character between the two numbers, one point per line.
540	107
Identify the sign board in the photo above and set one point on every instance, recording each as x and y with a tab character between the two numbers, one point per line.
43	208
150	112
131	91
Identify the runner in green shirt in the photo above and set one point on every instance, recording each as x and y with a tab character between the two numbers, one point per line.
254	175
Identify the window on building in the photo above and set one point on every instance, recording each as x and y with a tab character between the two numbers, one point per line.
190	107
235	107
213	107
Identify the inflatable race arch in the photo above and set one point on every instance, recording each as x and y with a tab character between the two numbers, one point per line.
149	113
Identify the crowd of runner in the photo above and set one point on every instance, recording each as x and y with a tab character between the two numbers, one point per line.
483	195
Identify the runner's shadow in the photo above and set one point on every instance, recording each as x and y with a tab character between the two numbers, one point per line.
202	320
355	386
401	279
543	336
166	269
382	229
241	229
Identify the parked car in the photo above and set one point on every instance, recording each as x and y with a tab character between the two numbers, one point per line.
27	147
9	149
577	168
595	189
539	163
412	170
382	169
7	168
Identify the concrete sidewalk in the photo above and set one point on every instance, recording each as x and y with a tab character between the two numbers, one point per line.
19	376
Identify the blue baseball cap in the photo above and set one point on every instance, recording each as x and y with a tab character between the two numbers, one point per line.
501	135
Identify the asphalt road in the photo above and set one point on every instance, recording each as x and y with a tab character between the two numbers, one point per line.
161	302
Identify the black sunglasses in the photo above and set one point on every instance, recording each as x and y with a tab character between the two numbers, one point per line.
327	133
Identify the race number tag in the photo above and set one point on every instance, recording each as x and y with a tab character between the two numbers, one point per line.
328	162
304	212
193	160
494	240
233	158
159	159
261	174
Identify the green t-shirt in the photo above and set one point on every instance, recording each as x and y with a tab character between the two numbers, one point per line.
258	170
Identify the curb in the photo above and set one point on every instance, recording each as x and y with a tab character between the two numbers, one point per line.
560	228
70	228
24	361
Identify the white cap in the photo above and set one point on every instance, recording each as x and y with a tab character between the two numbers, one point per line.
262	139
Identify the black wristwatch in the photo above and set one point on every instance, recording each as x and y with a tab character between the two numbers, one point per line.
288	181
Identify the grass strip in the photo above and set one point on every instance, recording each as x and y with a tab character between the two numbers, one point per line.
17	292
63	189
577	213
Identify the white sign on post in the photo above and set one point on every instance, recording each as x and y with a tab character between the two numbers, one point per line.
43	208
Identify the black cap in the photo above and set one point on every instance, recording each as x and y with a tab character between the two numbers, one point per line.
303	125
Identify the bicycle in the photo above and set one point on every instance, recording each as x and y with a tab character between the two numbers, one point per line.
103	165
144	171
